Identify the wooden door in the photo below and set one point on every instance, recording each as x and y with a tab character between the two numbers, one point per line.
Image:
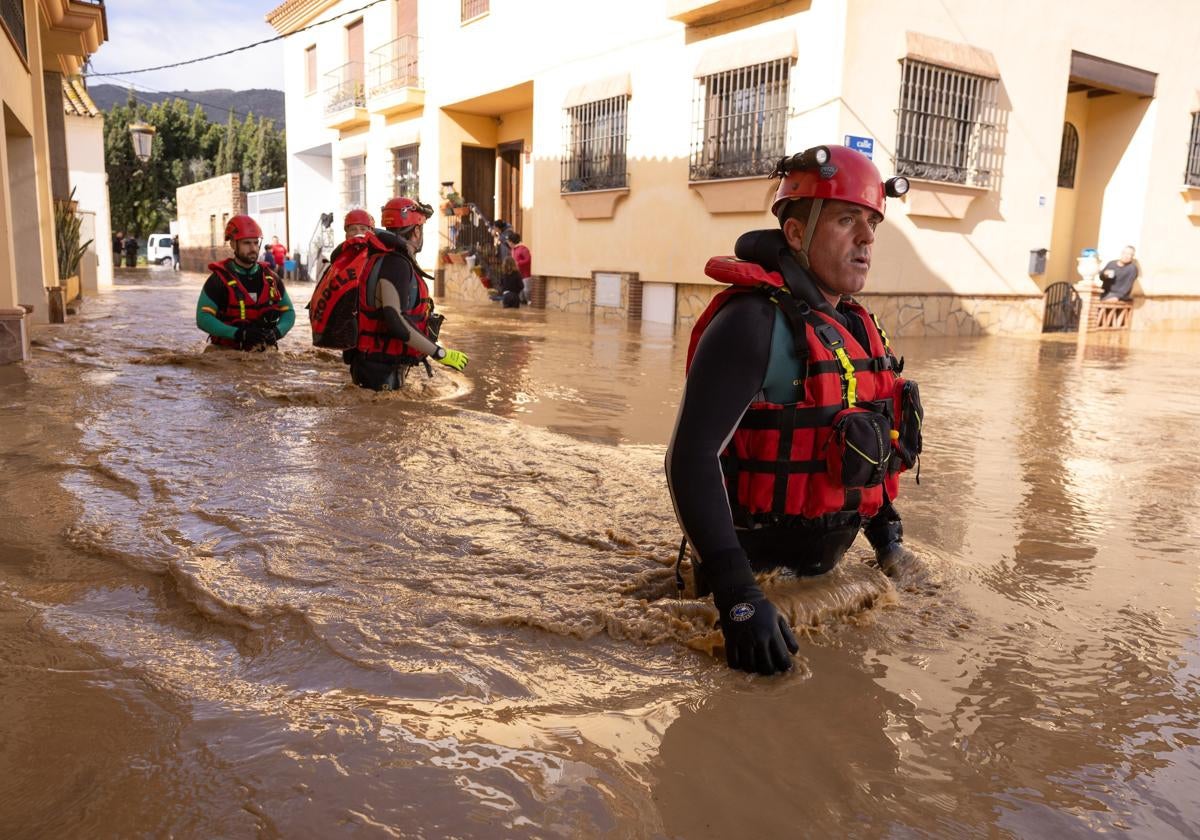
479	178
510	183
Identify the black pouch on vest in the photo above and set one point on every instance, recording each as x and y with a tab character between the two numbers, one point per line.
433	327
911	417
860	448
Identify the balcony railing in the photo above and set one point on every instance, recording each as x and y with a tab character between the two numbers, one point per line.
12	13
395	65
472	9
344	88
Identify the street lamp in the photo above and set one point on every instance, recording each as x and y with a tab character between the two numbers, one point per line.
143	139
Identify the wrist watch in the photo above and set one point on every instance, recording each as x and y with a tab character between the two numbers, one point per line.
440	353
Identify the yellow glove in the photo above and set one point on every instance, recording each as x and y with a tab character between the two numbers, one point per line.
452	358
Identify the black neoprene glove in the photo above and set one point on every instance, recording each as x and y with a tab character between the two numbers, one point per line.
757	638
251	337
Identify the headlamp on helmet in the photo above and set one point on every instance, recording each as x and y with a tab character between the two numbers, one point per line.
896	186
400	213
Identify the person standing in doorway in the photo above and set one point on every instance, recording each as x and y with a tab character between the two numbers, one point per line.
175	251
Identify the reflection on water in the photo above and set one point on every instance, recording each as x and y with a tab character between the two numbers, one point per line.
247	598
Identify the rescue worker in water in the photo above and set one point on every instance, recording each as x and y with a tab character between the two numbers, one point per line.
244	305
794	423
397	325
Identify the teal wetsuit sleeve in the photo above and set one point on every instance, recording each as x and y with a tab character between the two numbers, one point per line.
287	318
207	320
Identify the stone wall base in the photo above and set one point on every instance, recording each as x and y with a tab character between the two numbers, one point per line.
14	336
1165	313
909	315
459	283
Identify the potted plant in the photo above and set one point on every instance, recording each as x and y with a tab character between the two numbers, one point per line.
67	225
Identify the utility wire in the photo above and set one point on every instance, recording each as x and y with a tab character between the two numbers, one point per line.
238	49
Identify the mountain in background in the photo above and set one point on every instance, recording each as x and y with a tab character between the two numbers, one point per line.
216	103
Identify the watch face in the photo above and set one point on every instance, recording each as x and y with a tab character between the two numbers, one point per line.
741	612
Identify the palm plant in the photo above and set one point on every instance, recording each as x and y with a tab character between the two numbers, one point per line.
67	224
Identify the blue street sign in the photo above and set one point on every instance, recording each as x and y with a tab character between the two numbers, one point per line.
866	145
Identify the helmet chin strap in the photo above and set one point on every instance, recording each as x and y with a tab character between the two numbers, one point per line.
810	228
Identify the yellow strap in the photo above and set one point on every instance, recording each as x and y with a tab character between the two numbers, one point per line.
849	382
242	308
882	332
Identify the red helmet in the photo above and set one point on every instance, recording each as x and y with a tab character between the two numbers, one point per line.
242	227
358	217
833	172
404	212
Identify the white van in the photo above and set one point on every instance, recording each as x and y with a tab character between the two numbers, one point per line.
158	249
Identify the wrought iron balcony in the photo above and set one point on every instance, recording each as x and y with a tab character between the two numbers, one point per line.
395	65
344	88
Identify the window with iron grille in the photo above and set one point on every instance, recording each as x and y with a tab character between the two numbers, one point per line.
1068	156
473	9
948	125
1192	176
354	181
740	121
12	13
594	146
406	170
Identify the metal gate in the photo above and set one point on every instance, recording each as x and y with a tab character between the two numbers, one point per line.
1062	308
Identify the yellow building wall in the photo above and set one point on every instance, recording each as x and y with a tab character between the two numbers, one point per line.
662	229
28	255
1063	249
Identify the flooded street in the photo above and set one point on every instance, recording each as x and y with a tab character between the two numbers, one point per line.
240	597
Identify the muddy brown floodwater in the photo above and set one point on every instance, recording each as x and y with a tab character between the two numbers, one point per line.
241	598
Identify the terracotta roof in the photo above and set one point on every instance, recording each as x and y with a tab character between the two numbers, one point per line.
76	101
292	14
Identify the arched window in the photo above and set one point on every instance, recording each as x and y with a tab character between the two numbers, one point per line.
1068	155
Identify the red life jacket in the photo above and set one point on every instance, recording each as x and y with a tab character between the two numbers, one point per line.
241	307
375	341
789	462
333	308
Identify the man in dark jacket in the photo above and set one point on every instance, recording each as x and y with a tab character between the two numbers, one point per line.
1118	276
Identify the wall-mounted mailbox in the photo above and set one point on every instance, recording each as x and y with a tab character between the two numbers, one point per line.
1037	261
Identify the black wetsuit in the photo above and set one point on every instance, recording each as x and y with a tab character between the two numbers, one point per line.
729	370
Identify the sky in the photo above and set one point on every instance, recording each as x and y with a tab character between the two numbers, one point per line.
148	33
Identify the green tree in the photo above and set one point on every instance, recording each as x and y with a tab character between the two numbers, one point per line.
187	148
